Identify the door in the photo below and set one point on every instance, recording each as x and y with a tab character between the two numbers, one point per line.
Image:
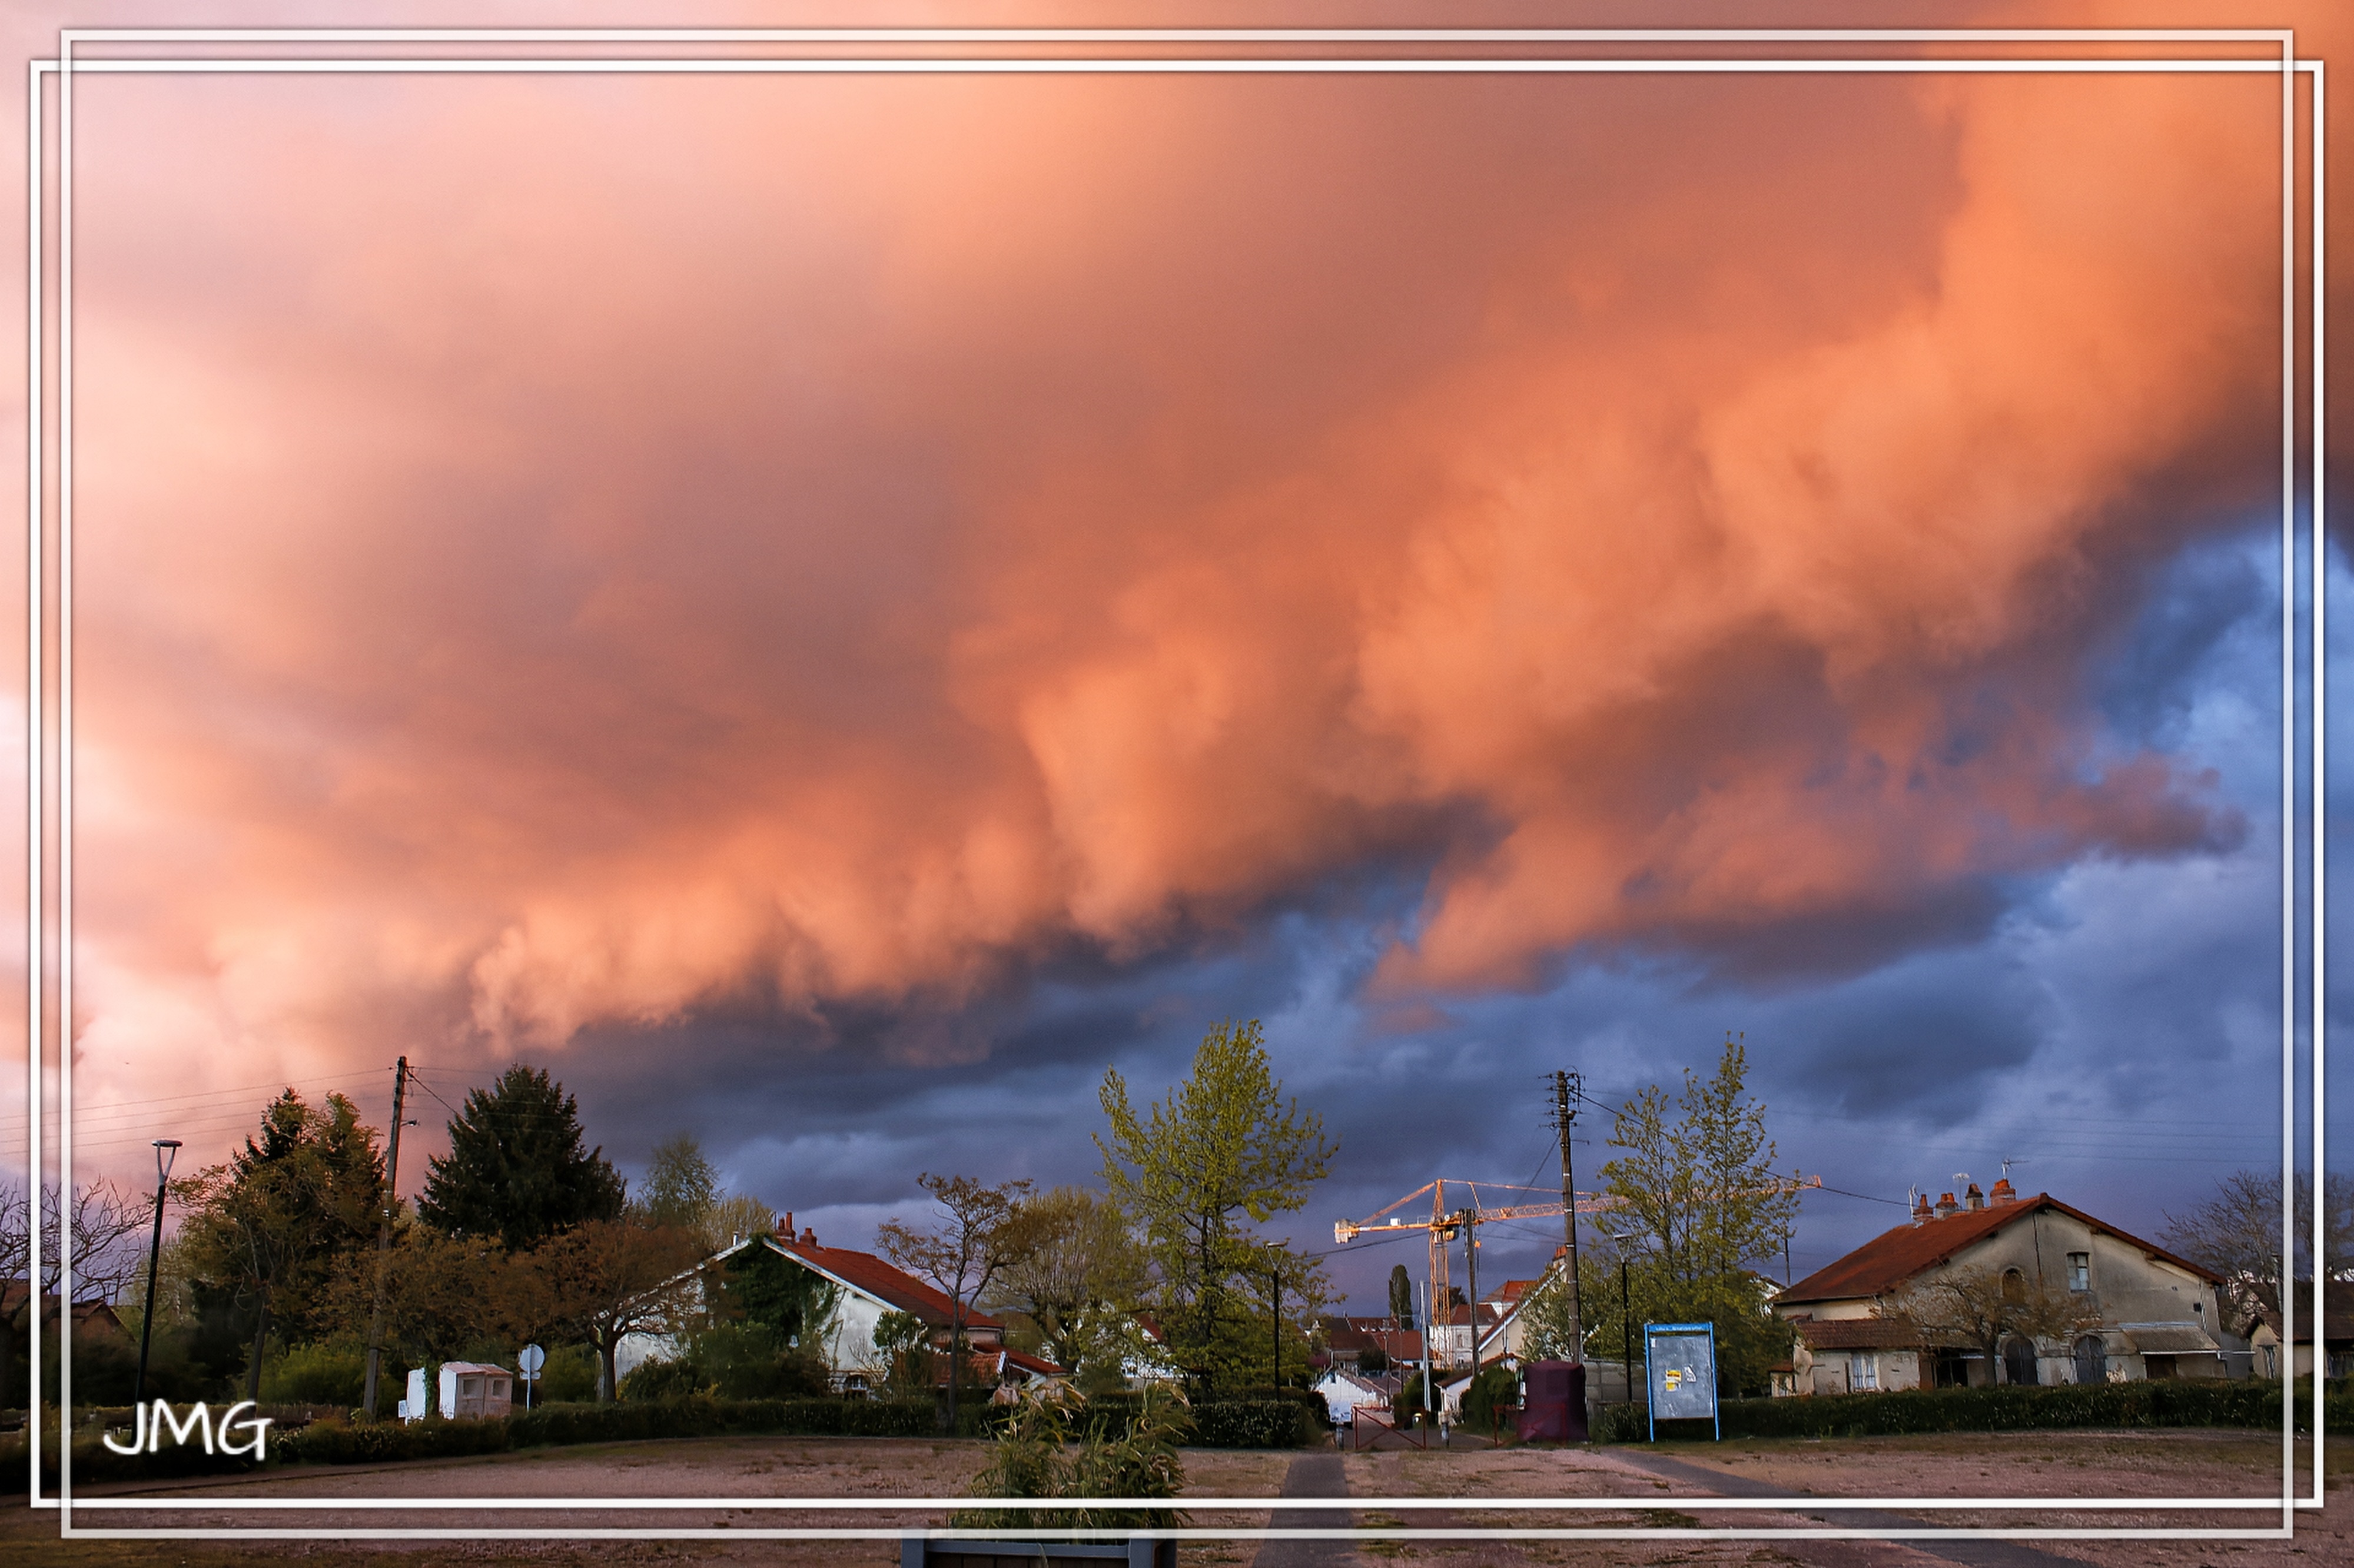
2018	1362
2092	1359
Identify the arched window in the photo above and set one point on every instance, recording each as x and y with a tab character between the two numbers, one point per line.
2018	1362
2014	1285
2092	1359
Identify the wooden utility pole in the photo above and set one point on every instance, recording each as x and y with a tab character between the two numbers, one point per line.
1567	1088
383	1228
1471	1277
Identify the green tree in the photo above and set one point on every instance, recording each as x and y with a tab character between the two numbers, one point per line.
287	1215
1224	1146
975	1234
517	1170
681	1187
1401	1296
1697	1182
1077	1276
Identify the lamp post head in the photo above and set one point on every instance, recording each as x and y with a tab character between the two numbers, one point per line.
167	1149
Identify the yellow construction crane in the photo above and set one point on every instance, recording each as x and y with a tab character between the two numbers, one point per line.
1445	1223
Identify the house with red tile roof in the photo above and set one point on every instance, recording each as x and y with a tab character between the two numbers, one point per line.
864	1287
2145	1313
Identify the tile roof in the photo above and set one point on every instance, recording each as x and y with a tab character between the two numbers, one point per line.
2170	1339
2336	1308
864	1271
1857	1334
1887	1261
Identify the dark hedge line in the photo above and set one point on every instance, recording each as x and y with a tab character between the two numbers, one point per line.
2250	1403
1222	1423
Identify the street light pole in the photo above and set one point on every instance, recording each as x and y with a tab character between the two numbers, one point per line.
1626	1320
167	1149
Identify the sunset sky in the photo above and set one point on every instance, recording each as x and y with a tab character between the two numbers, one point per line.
827	612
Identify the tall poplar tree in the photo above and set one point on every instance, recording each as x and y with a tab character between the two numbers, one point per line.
515	1169
1225	1146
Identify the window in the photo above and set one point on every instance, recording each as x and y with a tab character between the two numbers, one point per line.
2014	1285
2079	1271
1862	1369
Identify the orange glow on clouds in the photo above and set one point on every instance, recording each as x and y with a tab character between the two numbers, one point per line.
564	553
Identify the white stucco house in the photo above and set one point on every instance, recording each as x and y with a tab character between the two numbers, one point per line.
865	1288
2145	1313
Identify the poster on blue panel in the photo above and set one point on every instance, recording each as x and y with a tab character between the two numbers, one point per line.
1679	1367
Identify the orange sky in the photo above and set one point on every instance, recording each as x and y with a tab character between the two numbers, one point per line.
559	552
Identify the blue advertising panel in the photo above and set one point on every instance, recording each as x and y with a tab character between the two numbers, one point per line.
1680	1370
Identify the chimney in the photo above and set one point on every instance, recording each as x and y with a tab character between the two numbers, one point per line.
1921	1209
2004	1192
1947	1207
809	1238
1973	1199
785	1227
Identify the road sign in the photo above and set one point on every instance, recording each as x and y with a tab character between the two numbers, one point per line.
1679	1367
532	1359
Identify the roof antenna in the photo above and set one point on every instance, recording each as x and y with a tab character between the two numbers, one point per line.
1963	1177
2009	1164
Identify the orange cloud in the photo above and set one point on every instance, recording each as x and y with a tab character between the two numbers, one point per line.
556	553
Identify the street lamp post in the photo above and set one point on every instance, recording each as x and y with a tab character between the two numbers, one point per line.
167	1149
1626	1320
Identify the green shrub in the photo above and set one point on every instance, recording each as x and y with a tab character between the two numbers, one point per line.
571	1373
2165	1403
1039	1454
1253	1423
1484	1401
331	1372
663	1378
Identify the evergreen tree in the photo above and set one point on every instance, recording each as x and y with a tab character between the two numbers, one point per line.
515	1170
1401	1296
272	1228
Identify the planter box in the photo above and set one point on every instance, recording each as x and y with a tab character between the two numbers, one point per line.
917	1552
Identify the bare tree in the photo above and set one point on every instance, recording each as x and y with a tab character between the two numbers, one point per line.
976	1233
2237	1232
105	1223
1979	1307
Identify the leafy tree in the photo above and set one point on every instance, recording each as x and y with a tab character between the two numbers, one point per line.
517	1170
904	1342
1699	1183
286	1215
1224	1146
1978	1309
1077	1276
1546	1328
2237	1232
681	1187
974	1235
606	1279
443	1294
1401	1297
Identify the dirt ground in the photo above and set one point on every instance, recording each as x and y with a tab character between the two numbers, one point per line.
1672	1482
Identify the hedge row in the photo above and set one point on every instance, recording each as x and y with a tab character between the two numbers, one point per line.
2184	1403
1224	1423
